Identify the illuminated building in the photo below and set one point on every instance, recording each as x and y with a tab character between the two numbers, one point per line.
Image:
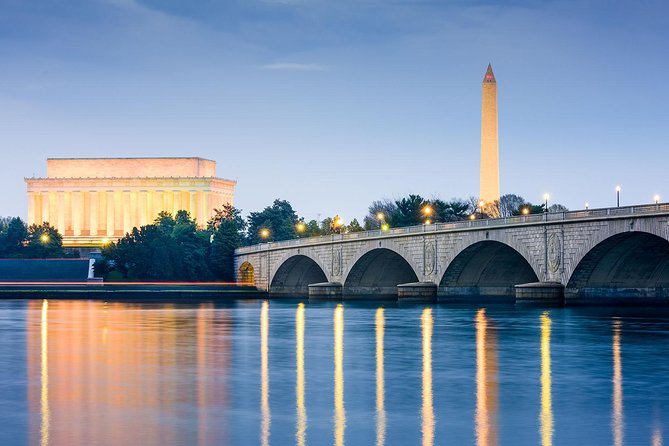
92	200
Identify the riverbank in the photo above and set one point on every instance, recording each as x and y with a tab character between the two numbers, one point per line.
125	290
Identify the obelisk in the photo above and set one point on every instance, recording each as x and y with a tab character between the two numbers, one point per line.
489	192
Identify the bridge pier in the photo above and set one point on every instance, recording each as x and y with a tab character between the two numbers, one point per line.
540	292
417	292
326	291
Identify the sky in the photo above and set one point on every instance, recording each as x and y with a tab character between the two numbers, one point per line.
334	104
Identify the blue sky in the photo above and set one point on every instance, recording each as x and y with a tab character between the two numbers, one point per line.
334	104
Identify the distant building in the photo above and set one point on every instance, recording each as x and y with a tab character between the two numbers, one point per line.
489	192
93	200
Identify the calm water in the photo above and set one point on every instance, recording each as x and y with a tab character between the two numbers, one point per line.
258	372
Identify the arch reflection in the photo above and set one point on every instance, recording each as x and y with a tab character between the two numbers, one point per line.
264	375
340	413
300	435
428	407
546	398
380	384
618	422
486	382
45	413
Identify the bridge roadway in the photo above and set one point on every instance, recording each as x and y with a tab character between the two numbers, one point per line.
612	255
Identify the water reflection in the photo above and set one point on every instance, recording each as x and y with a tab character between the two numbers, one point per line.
546	400
340	413
45	414
618	422
486	382
380	397
657	437
264	374
428	408
300	435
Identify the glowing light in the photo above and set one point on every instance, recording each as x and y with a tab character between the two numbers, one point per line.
427	413
45	412
656	198
472	217
44	238
546	400
618	188
300	227
105	241
427	210
385	227
618	422
525	211
546	196
264	233
587	205
380	216
339	222
340	412
380	384
486	383
300	435
428	222
657	437
264	375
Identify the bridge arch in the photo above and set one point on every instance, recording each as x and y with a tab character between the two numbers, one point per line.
378	272
627	264
294	275
487	267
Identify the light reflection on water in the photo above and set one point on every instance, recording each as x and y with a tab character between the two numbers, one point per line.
201	373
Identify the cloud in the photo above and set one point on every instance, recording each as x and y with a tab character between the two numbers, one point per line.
295	67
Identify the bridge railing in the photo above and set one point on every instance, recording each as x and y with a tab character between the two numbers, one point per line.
583	214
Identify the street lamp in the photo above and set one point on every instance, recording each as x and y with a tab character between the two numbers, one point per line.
656	198
381	218
546	197
385	227
300	227
472	217
525	211
264	233
44	238
618	196
587	205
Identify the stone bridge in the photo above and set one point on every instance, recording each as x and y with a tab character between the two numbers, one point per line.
615	254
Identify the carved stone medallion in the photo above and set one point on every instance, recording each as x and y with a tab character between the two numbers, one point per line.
554	252
430	257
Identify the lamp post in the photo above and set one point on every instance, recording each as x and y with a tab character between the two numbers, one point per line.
618	189
382	220
546	197
300	227
656	198
587	205
44	238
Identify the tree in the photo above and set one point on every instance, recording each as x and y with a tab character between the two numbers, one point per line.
354	226
510	203
385	207
409	211
454	210
225	213
279	219
43	241
226	238
557	208
13	235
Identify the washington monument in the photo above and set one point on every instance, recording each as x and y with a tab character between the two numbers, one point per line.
489	146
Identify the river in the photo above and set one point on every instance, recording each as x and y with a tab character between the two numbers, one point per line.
286	372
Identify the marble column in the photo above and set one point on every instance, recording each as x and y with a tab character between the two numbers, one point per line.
127	227
94	204
45	207
31	208
110	213
142	206
118	213
61	212
77	212
192	206
177	201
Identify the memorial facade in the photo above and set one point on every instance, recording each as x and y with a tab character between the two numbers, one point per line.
95	200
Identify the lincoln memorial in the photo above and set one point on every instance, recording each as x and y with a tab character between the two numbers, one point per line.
94	200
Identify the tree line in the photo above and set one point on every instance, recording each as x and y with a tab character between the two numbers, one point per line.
20	241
